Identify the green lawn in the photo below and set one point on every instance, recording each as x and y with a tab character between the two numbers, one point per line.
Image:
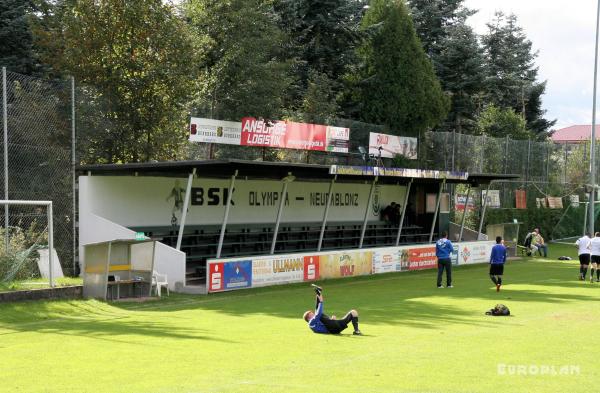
417	338
38	283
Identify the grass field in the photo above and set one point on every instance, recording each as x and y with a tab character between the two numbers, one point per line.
38	283
417	338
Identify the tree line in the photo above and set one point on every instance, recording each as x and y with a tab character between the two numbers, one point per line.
149	64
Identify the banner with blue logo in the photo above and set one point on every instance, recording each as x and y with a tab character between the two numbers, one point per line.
237	274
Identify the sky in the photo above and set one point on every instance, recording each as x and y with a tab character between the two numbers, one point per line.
564	34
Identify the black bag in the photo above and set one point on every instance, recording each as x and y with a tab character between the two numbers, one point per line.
499	310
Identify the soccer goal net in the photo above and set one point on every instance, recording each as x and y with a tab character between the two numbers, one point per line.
26	241
574	223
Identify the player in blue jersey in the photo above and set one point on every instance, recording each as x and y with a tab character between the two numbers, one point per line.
318	322
497	260
443	251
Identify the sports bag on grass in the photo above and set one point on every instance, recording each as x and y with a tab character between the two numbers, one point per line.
499	310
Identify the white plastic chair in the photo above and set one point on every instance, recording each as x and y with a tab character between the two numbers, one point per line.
159	280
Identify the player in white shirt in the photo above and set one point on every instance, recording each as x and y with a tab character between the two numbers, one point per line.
595	252
583	246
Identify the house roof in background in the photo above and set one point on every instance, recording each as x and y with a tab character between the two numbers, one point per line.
576	133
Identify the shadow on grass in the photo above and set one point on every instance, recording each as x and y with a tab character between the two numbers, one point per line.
409	299
102	322
404	299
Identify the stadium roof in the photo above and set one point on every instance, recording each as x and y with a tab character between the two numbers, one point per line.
574	134
278	170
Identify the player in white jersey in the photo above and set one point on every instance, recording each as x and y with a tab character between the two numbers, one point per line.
595	252
583	246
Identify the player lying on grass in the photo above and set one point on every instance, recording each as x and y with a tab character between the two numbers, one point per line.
321	323
497	260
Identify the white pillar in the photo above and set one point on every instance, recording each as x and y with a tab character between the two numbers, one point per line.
326	213
226	215
364	227
186	203
437	209
403	211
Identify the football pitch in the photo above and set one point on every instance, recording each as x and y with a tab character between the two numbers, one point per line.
417	338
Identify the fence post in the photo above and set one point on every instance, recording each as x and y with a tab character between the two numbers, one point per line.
51	244
5	128
74	179
565	166
528	155
484	140
453	147
506	155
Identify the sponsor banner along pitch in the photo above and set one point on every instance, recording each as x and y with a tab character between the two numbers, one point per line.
231	274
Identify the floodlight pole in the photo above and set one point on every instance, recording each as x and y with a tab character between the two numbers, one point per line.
326	213
5	128
401	223
587	206
592	209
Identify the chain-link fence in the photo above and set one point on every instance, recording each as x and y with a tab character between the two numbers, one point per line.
38	144
41	116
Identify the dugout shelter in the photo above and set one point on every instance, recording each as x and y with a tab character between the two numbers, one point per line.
197	210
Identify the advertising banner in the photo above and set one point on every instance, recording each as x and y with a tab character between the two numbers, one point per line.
421	258
474	252
270	133
311	268
386	260
345	264
555	202
277	270
292	135
232	273
459	202
215	277
235	275
392	145
215	131
158	201
521	199
396	172
574	200
492	198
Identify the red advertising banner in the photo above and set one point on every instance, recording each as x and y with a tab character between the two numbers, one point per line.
292	135
521	199
422	258
216	278
311	268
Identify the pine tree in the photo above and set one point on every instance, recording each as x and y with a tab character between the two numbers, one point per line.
244	69
433	18
16	39
397	86
324	35
511	73
459	67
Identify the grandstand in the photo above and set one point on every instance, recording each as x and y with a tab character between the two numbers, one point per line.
120	200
